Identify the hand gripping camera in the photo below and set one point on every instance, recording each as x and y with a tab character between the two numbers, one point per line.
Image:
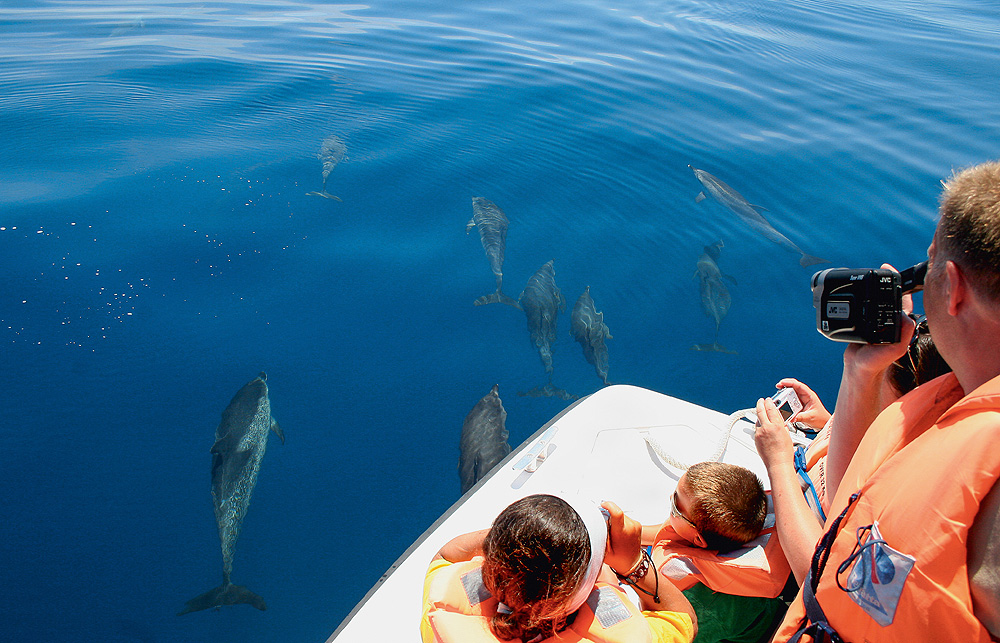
863	306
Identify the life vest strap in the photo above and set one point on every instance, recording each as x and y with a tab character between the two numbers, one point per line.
815	623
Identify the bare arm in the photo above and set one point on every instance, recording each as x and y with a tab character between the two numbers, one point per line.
858	404
464	547
860	398
798	529
624	554
649	534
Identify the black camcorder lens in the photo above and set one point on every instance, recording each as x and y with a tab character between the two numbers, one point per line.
912	279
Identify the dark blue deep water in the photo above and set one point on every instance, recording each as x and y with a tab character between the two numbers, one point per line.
158	248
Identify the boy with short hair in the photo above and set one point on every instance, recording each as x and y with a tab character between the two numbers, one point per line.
717	511
724	503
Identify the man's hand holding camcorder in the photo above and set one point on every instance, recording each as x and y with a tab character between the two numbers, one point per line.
871	360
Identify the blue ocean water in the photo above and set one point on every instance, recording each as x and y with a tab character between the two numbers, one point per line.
159	248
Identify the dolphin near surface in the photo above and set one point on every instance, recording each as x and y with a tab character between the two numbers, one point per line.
331	152
735	202
715	297
587	327
542	300
492	224
484	439
240	442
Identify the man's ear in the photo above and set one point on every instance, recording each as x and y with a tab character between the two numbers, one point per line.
957	287
699	540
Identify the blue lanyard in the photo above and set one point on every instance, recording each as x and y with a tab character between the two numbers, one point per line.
810	488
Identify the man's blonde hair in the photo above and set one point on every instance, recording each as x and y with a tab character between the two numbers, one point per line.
728	504
969	231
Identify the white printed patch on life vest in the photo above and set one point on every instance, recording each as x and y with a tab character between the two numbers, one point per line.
607	607
877	578
679	568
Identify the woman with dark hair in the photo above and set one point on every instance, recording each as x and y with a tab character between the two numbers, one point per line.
549	565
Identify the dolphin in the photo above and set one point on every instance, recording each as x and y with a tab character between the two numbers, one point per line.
715	297
484	439
492	224
733	200
587	327
542	301
548	391
331	152
240	442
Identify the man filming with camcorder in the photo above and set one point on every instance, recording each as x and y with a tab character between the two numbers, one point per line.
911	544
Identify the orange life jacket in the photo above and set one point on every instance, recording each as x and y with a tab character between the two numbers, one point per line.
896	566
758	568
461	607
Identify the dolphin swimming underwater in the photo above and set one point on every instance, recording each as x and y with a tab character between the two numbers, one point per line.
484	439
492	223
715	297
331	152
587	327
542	300
733	200
240	442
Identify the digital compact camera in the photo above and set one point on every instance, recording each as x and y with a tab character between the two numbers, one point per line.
863	306
787	402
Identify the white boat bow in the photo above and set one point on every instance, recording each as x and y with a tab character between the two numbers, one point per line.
597	448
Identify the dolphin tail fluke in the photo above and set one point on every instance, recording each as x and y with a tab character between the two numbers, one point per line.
701	197
809	260
225	594
714	347
497	298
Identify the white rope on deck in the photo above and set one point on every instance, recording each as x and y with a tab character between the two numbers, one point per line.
715	457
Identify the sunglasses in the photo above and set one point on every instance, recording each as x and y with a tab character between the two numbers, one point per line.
674	511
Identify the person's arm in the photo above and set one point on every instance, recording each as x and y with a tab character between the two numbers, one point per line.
797	527
624	554
464	547
984	562
649	533
859	401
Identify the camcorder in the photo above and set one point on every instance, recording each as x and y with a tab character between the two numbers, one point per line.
863	306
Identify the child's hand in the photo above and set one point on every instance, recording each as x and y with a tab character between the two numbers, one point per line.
624	534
